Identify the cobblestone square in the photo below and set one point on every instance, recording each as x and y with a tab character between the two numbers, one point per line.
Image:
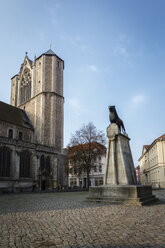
66	220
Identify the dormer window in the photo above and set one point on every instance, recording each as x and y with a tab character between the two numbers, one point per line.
10	134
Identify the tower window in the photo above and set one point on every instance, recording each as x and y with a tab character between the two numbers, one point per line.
10	134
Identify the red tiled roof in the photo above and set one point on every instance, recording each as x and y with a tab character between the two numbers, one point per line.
146	147
100	148
161	137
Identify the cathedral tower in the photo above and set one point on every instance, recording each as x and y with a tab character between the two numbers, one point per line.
38	89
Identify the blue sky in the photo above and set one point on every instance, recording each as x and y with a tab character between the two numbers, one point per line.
114	53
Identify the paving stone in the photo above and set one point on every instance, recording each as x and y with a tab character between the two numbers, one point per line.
65	220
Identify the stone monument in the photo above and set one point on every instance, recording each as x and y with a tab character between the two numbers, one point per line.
120	184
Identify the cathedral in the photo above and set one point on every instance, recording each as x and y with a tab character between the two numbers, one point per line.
31	127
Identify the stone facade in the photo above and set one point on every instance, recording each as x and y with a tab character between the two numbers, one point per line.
152	163
31	128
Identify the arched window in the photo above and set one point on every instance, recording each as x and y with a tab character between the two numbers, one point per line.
48	164
5	157
42	163
25	91
10	133
20	135
25	167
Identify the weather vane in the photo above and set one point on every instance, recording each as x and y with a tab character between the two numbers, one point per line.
50	45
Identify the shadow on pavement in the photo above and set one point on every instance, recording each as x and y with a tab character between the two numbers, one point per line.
23	202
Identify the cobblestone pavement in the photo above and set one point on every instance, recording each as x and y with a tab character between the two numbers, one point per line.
66	220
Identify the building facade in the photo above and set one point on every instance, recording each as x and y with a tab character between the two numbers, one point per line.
152	163
97	170
31	133
137	171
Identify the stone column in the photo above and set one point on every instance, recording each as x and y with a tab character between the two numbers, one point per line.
78	181
15	161
34	166
119	162
68	181
54	167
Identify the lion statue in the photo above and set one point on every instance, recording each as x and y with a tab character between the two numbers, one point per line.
114	118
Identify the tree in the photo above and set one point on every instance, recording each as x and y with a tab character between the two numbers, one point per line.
84	147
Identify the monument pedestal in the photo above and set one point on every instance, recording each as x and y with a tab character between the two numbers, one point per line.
120	183
127	194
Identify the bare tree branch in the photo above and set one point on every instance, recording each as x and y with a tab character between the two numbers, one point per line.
84	147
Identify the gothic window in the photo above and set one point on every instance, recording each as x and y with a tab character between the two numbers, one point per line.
48	164
25	91
10	134
45	164
42	163
25	170
5	156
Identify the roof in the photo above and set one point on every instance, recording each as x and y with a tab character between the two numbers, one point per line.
160	138
14	115
147	147
50	53
101	149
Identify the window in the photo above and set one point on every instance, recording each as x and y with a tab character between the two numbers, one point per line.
20	135
100	168
48	164
101	181
70	170
5	156
42	163
10	134
25	170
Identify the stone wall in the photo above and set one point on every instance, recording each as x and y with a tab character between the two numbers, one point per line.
27	134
